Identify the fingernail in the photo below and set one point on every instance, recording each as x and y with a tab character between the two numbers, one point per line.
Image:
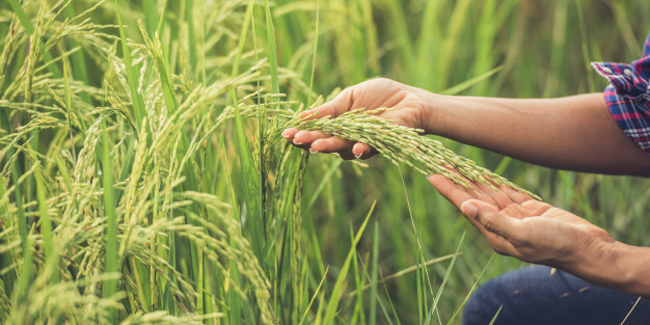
469	209
358	156
296	142
285	134
312	150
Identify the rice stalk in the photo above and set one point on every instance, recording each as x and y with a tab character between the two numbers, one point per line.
401	144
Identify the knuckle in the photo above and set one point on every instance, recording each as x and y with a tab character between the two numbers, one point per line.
384	81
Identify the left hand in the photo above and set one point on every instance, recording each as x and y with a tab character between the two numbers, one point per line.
514	224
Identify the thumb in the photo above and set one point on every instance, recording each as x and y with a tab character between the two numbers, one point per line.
490	219
470	208
337	106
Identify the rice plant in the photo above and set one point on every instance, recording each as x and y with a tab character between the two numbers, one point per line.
144	179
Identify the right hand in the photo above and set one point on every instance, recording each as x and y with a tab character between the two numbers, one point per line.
408	109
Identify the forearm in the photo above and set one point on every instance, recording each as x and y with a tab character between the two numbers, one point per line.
614	265
575	133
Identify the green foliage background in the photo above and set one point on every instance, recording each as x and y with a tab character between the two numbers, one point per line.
144	179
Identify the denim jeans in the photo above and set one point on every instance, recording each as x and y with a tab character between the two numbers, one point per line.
535	295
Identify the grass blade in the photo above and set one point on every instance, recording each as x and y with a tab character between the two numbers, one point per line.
313	60
495	316
373	276
46	225
189	11
27	269
110	288
471	290
436	300
314	296
273	56
332	307
131	75
250	176
24	20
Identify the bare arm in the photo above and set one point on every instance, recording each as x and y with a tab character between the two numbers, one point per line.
617	266
575	133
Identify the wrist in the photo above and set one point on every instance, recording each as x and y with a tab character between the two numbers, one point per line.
613	264
452	117
627	268
587	258
433	112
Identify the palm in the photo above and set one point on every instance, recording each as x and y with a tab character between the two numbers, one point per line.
517	225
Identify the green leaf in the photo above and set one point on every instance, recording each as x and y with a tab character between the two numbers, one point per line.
251	186
27	269
273	57
337	292
22	16
249	173
46	225
434	306
110	287
131	75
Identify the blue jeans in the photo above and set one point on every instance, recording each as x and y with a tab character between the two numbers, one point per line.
535	296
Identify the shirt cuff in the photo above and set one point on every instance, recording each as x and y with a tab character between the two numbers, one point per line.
628	97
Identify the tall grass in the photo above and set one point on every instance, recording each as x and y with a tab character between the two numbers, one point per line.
144	180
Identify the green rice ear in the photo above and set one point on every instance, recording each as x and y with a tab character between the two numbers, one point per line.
404	145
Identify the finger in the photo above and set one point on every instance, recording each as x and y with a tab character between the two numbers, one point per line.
488	194
500	244
453	193
337	106
494	221
306	138
363	151
516	196
332	144
474	190
290	133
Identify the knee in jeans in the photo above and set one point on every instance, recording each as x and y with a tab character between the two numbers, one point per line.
481	306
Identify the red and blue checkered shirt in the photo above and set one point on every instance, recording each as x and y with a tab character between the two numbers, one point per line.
628	96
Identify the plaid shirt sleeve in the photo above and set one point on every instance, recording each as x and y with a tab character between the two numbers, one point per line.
628	96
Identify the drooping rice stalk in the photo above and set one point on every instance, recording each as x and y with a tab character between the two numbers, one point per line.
400	144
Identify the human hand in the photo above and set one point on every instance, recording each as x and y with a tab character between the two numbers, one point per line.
514	224
408	109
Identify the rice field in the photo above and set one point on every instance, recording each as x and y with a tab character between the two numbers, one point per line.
144	178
